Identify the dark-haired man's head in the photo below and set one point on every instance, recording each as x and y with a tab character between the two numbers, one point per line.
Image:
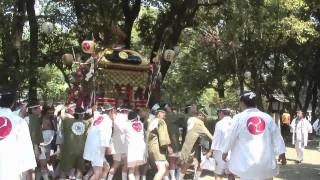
34	108
154	109
47	111
132	116
144	113
109	110
167	108
223	112
161	113
300	114
202	114
191	109
248	100
79	113
125	108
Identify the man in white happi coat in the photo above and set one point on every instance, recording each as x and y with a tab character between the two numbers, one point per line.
316	128
98	140
136	152
222	130
14	137
118	143
300	127
254	141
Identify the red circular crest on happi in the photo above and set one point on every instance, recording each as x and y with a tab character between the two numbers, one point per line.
137	126
98	121
256	125
5	127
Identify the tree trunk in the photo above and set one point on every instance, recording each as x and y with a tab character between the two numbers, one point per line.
298	104
65	76
277	72
77	5
131	12
314	100
163	24
308	97
241	84
11	43
257	88
220	88
33	50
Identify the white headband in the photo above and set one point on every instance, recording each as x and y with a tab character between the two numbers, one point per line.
30	107
250	94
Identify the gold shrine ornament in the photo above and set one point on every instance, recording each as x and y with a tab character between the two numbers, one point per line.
67	59
123	55
88	46
169	55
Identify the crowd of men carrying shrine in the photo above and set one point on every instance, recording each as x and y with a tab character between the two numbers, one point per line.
67	142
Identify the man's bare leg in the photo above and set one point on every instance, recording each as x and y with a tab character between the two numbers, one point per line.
78	174
217	177
162	169
131	173
88	175
144	170
124	173
172	167
231	177
105	170
184	168
97	172
137	173
113	169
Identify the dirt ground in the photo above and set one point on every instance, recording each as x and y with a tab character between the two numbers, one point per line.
308	170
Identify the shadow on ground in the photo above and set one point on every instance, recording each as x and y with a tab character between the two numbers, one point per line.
300	172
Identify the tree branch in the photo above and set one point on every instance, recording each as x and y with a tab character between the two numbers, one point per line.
33	50
66	78
208	4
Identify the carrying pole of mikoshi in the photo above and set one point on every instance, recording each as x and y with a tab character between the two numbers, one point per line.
154	79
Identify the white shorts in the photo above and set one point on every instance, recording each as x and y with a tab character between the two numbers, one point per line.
136	163
99	163
165	163
119	157
221	166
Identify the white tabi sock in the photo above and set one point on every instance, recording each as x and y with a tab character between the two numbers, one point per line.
137	177
124	176
178	174
172	173
181	176
197	175
143	177
110	177
165	178
131	176
45	174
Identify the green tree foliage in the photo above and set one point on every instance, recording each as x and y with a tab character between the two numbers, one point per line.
52	85
276	40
